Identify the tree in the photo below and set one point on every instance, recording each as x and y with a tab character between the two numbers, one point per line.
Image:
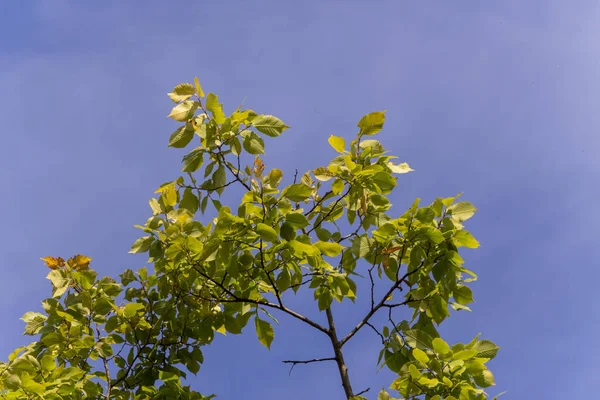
318	235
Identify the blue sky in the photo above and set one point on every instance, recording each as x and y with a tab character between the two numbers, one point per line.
495	99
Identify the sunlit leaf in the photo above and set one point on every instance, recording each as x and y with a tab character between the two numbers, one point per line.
297	192
53	262
181	92
269	125
372	123
264	331
337	143
183	111
199	90
402	168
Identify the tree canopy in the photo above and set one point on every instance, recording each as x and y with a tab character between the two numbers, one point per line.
318	235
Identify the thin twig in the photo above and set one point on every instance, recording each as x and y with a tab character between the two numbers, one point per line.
314	360
377	332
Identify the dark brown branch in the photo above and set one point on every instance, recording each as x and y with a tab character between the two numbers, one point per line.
405	302
237	299
363	392
355	233
376	331
380	304
339	356
308	361
331	210
314	360
317	203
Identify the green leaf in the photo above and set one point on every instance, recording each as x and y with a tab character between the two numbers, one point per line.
439	309
155	206
484	379
297	192
486	349
324	299
329	249
142	245
402	168
463	295
184	111
297	220
131	309
287	231
395	360
464	354
219	177
322	174
283	280
193	160
181	92
362	246
264	331
300	249
269	125
266	232
35	321
323	234
383	395
371	123
32	386
48	363
167	376
384	181
199	90
420	356
253	143
374	146
414	372
189	201
459	307
274	177
462	211
182	136
440	346
464	238
337	143
213	105
337	186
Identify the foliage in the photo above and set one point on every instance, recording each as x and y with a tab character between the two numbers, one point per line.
320	234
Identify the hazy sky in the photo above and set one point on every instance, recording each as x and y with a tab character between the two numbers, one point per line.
497	99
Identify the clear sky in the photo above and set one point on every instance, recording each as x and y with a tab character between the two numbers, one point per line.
498	100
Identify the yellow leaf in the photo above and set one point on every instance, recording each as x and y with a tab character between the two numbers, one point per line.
53	262
199	90
222	330
337	143
402	168
79	262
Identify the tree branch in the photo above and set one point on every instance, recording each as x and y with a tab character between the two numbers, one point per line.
380	304
308	361
339	356
314	360
236	299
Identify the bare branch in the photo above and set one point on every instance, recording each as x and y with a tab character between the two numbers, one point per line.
381	303
308	361
339	356
236	299
377	332
314	360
